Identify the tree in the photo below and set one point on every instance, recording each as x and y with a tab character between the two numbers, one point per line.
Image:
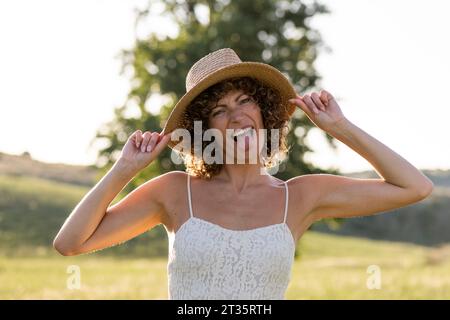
269	31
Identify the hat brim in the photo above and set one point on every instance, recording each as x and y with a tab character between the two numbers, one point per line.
267	74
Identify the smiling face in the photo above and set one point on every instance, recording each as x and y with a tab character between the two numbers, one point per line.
238	117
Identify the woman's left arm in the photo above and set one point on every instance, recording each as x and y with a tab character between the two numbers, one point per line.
339	196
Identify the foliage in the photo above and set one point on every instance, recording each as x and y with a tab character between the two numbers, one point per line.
269	31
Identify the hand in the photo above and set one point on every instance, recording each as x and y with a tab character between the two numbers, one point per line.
322	109
141	149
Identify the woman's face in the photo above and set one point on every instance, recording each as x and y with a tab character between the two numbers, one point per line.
234	111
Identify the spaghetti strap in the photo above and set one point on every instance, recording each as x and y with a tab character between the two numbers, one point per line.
189	194
197	245
287	201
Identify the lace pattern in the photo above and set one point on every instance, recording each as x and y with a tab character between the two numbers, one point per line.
207	261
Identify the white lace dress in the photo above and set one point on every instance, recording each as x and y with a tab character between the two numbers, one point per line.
207	261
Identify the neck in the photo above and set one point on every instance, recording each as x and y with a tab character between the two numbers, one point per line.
242	176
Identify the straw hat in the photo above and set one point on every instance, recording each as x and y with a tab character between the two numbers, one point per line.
218	66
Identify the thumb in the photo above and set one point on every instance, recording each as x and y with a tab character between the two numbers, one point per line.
302	105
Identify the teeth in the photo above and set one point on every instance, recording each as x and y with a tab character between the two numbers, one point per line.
242	132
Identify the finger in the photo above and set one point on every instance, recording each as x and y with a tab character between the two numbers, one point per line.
154	138
162	134
137	137
328	95
302	105
324	97
310	103
315	97
162	143
146	138
141	138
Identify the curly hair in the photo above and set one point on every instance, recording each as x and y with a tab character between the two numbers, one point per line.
274	114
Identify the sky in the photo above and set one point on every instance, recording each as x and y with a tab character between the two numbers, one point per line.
389	69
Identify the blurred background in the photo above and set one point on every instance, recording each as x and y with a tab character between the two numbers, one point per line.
78	77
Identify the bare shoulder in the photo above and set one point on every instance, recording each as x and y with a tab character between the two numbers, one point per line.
168	185
310	188
152	197
305	186
172	177
164	183
304	191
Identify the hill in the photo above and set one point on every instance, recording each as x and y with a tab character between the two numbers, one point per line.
36	198
33	209
423	223
24	165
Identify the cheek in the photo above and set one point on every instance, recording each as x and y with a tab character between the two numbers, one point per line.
217	122
257	115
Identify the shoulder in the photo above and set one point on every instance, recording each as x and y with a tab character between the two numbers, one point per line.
302	182
170	181
163	189
309	180
315	183
312	188
305	190
174	175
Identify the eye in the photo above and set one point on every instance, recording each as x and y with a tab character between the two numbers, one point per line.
217	112
246	100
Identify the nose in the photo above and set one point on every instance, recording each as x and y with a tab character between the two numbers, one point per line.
236	115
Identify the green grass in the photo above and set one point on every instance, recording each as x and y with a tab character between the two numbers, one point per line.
330	267
336	268
32	210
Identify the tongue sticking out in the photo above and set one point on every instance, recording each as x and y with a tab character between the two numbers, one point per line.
247	141
245	138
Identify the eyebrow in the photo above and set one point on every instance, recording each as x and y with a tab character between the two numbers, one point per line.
223	105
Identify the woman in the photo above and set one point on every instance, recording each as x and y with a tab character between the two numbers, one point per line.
232	227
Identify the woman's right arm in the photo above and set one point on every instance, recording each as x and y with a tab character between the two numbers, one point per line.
93	225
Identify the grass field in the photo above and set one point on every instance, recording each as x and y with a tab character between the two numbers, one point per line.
329	267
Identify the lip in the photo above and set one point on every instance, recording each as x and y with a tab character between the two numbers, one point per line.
244	127
233	131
